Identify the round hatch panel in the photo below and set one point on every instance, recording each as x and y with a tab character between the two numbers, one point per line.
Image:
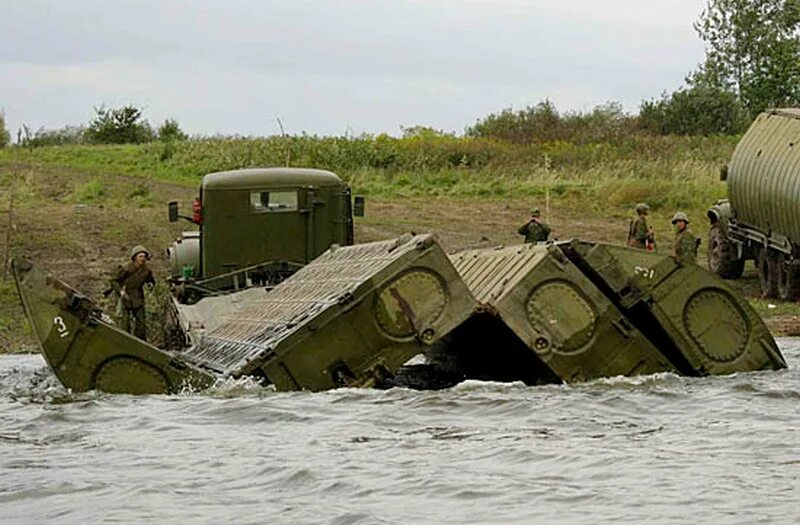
717	325
413	300
557	308
128	375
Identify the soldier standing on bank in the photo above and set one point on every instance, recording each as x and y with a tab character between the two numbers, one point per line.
535	230
685	242
640	235
129	281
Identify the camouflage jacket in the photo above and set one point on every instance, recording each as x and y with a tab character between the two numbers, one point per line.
686	246
535	231
639	233
132	280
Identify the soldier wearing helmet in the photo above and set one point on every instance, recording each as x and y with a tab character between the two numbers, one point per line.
128	281
640	234
535	230
685	242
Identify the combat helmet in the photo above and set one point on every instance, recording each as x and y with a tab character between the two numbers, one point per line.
535	212
642	207
139	249
680	216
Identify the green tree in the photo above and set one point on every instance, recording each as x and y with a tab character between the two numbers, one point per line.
752	50
532	124
5	136
423	132
171	130
698	110
123	125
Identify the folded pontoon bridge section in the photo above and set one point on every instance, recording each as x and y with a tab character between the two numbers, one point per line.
568	311
85	351
693	316
592	310
558	312
350	317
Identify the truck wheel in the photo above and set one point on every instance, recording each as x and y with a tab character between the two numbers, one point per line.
722	255
788	280
767	265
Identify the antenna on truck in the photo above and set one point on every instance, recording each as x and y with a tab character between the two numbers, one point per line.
285	142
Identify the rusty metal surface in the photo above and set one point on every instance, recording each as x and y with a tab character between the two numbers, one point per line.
764	174
260	323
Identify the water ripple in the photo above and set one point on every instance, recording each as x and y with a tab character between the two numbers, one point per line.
655	449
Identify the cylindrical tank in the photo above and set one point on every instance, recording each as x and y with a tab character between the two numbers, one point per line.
184	255
764	174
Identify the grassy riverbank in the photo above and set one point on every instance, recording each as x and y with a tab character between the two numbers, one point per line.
77	209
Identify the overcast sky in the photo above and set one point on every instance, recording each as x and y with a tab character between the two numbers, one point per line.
335	66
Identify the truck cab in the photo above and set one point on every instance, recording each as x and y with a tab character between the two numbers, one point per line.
256	226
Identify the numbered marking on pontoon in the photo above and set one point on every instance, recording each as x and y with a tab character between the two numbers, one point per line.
61	327
644	273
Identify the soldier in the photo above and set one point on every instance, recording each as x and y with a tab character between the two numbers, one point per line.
129	281
685	242
640	235
535	230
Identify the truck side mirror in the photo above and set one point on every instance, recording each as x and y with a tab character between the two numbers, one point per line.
358	206
723	173
173	211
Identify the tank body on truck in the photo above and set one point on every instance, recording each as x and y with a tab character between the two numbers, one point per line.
257	226
760	219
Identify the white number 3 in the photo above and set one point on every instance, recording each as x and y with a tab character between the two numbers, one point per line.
61	327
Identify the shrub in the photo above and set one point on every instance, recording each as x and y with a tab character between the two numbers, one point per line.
544	123
699	110
119	126
171	130
52	137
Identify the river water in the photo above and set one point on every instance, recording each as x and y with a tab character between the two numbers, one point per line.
655	449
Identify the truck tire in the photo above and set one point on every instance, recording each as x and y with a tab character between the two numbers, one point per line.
788	280
722	255
767	266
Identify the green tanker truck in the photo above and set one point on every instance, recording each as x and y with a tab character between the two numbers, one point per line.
760	219
257	226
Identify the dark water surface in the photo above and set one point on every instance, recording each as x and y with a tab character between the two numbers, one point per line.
656	449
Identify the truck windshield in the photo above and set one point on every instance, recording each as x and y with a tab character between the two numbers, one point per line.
267	201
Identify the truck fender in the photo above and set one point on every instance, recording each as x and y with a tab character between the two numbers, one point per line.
720	213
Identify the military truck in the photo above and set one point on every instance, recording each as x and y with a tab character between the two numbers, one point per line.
760	219
257	226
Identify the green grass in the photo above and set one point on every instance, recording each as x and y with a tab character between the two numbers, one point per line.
669	173
606	179
89	192
188	160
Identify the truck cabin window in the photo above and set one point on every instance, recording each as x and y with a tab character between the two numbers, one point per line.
270	201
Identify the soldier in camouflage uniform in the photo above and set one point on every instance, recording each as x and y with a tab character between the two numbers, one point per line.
685	242
535	230
639	233
128	281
